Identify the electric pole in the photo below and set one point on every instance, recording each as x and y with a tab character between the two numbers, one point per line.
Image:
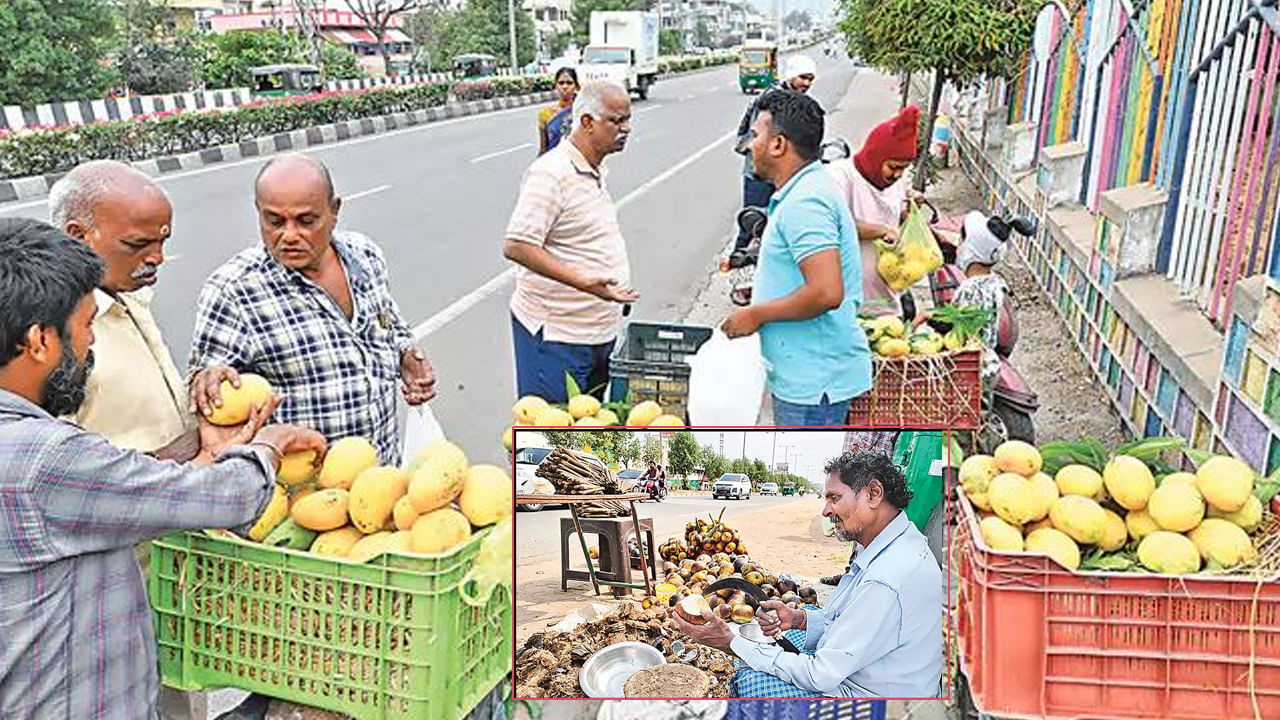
511	26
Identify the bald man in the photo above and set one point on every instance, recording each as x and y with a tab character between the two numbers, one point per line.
310	309
134	397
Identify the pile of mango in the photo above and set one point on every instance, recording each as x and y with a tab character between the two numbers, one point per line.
1119	516
906	264
585	411
890	337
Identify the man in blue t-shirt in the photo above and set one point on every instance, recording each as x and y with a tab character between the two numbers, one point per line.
807	284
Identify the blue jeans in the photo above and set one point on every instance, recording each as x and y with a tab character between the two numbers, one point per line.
755	193
824	414
541	365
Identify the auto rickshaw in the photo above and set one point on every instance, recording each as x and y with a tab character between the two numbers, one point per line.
757	67
474	65
286	80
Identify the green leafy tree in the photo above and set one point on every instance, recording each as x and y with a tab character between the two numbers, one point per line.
629	448
958	40
154	57
670	42
54	50
581	15
683	457
227	57
427	28
713	465
558	43
571	439
652	452
740	466
481	27
702	34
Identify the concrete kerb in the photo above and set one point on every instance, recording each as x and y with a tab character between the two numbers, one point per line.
37	186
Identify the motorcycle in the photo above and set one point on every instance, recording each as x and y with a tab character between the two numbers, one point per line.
741	263
1011	401
656	489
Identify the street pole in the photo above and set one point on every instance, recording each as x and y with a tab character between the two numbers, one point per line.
511	26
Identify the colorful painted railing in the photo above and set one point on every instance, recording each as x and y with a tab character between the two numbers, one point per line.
1220	222
1048	91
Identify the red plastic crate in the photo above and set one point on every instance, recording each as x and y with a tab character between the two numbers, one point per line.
1040	641
916	390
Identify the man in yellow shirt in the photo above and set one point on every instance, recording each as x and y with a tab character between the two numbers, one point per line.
135	397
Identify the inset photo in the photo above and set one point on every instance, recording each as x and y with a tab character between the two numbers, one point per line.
731	563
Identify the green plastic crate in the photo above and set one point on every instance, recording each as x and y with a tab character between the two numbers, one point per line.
382	640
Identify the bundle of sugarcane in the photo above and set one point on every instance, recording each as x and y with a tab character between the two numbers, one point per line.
604	509
574	475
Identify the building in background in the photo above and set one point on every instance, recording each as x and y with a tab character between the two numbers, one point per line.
339	27
550	18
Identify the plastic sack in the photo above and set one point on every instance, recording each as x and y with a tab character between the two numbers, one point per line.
915	255
726	381
420	430
491	569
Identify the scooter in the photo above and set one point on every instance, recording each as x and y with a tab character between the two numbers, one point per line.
1011	400
657	490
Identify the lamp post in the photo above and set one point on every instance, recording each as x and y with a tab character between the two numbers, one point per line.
511	28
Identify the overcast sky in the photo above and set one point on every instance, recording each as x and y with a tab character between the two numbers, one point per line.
806	451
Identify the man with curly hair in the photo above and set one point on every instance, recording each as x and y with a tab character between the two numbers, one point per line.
880	635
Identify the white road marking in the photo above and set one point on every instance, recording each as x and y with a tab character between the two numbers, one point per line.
366	193
312	150
500	153
496	283
646	109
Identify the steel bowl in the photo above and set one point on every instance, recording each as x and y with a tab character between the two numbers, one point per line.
605	673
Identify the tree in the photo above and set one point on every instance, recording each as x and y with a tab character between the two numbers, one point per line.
652	452
54	51
683	456
481	26
427	28
958	40
670	42
571	439
702	34
797	20
581	15
377	16
226	58
740	466
153	56
712	463
628	448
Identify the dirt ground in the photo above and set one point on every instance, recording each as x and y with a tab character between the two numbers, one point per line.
801	550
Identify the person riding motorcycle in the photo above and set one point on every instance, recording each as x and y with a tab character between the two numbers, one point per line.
654	480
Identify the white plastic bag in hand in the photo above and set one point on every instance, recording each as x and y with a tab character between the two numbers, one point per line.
420	429
726	381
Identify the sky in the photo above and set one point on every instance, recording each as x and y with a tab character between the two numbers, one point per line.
806	451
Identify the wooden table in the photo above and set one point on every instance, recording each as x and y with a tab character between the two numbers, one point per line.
573	501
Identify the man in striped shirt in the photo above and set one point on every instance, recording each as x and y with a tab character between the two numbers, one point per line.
574	276
76	640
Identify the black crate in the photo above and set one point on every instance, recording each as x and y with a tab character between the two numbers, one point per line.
651	363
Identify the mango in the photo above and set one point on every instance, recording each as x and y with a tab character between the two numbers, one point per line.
1248	517
1140	524
487	495
404	514
440	451
238	403
322	510
1082	519
667	421
1116	533
297	467
1079	480
1129	482
345	460
581	406
1169	553
1015	456
976	473
588	421
1057	545
1225	482
526	408
1015	499
337	543
276	511
643	414
1176	506
436	483
1000	535
607	417
1223	542
373	496
379	543
439	531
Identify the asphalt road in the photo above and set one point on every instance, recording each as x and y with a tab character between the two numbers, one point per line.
437	197
538	533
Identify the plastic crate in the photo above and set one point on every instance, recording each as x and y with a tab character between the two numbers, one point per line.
651	363
1040	641
382	640
923	391
805	710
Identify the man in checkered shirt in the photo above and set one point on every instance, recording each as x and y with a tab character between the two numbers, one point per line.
311	311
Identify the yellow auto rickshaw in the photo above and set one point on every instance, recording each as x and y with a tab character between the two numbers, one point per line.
757	67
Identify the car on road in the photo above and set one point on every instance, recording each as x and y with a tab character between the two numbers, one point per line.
527	461
732	486
627	479
769	489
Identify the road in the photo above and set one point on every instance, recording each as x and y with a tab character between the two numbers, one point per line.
538	534
437	197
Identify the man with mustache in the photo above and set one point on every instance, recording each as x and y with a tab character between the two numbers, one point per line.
78	639
573	276
310	309
880	635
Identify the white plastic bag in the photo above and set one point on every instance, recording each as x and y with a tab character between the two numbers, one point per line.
420	429
726	381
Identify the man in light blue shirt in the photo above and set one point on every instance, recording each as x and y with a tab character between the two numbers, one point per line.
808	283
880	635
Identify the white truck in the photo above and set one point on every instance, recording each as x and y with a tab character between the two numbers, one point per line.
623	49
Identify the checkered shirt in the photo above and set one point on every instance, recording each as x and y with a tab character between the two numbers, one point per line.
76	640
871	441
335	375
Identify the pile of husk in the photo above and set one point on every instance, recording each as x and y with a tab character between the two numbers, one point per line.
548	665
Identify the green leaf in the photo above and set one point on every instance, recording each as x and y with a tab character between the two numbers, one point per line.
1113	563
571	386
1197	456
1266	488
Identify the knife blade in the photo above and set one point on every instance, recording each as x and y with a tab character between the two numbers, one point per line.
755	593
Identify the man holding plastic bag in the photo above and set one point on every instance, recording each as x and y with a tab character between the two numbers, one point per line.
807	285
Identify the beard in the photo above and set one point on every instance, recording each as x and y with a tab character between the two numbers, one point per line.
843	534
64	391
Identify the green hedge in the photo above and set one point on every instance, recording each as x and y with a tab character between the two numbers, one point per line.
56	149
685	64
